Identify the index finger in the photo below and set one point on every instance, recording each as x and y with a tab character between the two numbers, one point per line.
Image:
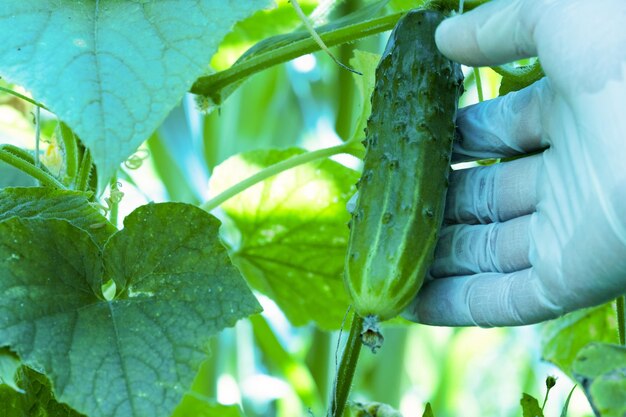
495	33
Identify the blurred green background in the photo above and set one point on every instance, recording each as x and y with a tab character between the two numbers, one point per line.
266	365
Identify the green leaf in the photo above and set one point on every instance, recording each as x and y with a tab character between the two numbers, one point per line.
134	355
113	70
564	337
47	203
530	406
9	364
35	398
291	232
566	405
428	411
366	62
601	370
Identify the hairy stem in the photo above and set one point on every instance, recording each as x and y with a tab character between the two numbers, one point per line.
84	171
621	319
70	148
26	163
274	170
347	367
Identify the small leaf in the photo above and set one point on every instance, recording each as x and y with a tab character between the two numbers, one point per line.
134	355
563	338
530	406
428	411
601	370
291	233
113	70
47	203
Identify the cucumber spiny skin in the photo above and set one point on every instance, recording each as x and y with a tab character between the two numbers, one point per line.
402	190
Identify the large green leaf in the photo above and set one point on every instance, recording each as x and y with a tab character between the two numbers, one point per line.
292	232
47	203
112	69
136	354
601	370
564	337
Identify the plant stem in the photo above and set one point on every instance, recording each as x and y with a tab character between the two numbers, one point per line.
23	97
347	367
114	201
14	157
211	85
37	135
479	85
70	147
82	178
621	319
274	170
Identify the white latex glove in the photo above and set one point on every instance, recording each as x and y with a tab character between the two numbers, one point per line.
532	239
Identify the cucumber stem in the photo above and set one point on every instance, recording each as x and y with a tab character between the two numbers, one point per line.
347	367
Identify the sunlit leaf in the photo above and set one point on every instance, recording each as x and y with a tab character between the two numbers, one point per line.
133	355
292	232
261	25
112	70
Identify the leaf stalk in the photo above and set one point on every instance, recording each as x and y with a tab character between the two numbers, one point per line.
277	169
347	368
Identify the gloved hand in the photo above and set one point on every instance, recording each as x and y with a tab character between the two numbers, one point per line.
532	239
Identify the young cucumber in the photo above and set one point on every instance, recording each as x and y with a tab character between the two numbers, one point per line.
403	186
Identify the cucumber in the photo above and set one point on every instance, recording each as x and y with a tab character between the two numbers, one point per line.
399	210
